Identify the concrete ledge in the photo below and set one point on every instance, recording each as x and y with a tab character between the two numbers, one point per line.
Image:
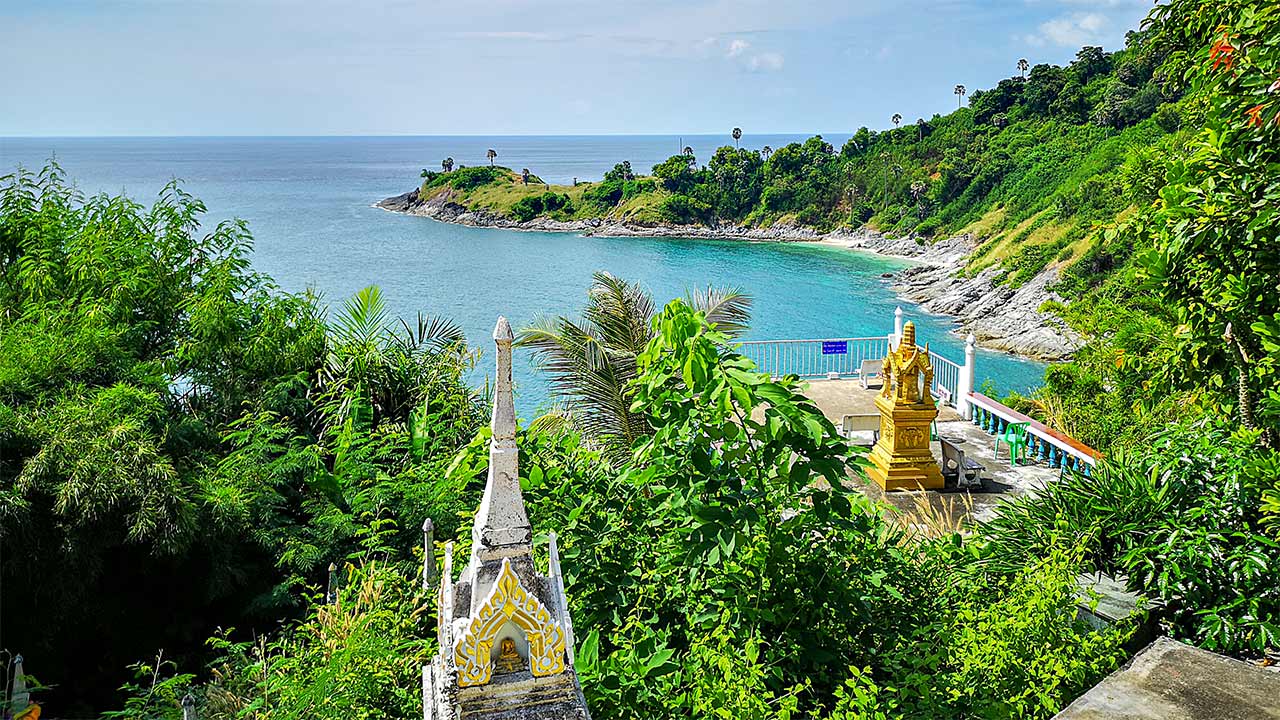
1170	680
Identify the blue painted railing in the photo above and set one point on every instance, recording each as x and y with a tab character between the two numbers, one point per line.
1042	442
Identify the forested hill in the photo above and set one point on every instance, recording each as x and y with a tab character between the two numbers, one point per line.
1029	166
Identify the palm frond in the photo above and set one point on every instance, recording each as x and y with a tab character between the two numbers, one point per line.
727	309
432	331
363	318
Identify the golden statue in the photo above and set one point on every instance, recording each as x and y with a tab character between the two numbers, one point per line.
901	458
509	659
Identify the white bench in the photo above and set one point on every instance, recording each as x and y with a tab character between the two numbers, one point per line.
862	423
868	369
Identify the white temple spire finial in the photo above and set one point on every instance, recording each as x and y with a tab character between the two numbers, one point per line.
501	521
503	422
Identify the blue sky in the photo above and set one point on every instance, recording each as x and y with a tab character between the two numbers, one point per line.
361	67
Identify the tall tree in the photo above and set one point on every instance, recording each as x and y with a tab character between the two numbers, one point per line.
897	119
1216	242
491	155
737	135
765	152
1022	67
960	93
447	164
920	128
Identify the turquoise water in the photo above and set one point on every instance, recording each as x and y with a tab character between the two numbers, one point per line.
308	202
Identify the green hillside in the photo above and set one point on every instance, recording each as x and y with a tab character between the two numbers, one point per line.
1031	166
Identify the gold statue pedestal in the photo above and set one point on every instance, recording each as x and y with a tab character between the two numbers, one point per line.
901	458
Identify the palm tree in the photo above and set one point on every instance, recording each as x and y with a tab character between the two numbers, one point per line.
688	151
372	370
737	135
960	92
1022	67
591	360
524	176
765	152
491	155
920	128
447	164
897	118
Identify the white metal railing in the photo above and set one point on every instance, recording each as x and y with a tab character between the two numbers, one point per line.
1043	443
946	375
819	358
815	358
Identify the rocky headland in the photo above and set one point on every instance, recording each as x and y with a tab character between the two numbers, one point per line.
1000	317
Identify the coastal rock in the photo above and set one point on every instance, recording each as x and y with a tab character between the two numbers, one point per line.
1001	317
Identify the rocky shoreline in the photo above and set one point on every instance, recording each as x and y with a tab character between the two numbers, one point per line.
999	316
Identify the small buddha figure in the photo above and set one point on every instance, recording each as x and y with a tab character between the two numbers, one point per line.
509	659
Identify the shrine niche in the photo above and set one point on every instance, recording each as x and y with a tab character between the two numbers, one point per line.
901	458
509	601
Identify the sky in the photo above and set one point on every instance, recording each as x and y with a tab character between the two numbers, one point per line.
430	67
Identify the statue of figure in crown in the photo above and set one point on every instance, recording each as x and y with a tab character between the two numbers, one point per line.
901	458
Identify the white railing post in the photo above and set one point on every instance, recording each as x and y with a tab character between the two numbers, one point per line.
897	327
964	385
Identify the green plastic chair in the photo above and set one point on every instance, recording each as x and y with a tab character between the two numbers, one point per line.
1015	436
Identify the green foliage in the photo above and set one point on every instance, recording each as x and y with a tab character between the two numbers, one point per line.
156	692
1181	521
180	439
592	361
359	657
1215	247
467	178
548	203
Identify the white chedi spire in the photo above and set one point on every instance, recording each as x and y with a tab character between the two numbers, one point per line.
501	521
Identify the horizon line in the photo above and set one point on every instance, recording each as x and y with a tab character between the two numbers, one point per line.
810	133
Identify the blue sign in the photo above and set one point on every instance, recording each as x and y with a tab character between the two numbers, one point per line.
835	347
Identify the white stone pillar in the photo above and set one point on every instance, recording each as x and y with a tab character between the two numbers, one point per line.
189	707
964	385
897	327
553	567
20	697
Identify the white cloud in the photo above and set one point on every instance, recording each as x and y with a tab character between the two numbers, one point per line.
1072	30
737	47
766	61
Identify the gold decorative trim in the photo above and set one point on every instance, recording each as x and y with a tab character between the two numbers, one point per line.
509	600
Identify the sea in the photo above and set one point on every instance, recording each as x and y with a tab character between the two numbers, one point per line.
309	202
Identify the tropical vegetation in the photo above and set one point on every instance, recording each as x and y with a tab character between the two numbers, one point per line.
180	439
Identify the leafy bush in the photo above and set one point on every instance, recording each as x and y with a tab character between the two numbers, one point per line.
527	208
467	178
1181	522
